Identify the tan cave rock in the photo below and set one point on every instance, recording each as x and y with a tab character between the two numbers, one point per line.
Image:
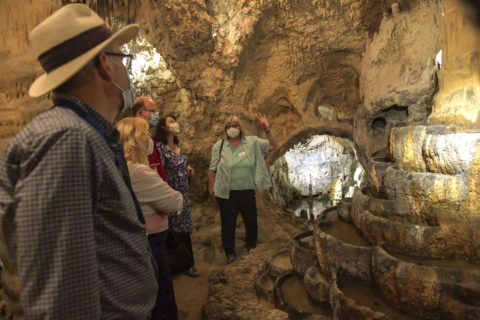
394	85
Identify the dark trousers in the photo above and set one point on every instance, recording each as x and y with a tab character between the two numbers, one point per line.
187	241
165	306
245	202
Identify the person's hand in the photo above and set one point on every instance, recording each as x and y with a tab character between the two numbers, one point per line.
190	172
213	198
262	119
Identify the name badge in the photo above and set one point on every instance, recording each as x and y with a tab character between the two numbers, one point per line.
242	154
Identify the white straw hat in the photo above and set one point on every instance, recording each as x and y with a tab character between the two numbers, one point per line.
67	40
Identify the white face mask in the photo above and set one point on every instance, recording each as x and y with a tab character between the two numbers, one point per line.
128	95
174	128
150	147
233	132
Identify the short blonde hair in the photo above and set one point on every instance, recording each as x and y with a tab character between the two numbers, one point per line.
134	136
231	120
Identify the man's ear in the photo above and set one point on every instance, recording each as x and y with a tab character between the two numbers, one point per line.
103	67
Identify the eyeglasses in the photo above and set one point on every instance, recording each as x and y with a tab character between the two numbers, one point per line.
126	58
152	111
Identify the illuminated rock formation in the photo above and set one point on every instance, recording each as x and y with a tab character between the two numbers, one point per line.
363	70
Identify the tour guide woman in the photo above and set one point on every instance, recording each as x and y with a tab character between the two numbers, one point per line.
237	166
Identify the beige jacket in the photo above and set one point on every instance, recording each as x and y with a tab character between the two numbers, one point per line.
155	196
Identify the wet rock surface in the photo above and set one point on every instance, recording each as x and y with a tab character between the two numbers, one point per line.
302	252
232	294
412	234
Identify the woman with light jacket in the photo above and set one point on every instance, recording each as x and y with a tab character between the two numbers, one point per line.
237	168
157	201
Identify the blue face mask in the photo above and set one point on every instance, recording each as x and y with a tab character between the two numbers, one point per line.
128	95
154	117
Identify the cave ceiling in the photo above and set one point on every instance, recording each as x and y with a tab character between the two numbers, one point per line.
322	65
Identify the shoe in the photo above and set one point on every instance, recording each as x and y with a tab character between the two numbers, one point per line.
231	258
192	272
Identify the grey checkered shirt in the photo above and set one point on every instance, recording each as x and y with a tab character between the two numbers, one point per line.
69	221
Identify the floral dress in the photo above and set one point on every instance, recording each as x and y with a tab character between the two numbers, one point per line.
175	167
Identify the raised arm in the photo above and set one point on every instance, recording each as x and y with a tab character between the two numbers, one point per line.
262	119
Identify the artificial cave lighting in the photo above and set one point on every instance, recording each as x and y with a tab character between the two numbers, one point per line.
438	59
357	178
309	208
316	175
320	161
149	70
146	62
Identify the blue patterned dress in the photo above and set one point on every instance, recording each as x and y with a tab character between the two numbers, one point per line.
176	171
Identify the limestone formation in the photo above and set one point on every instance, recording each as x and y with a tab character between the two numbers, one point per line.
361	74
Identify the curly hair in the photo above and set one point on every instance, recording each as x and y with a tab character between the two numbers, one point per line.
161	133
134	136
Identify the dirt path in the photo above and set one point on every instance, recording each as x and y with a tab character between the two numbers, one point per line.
192	293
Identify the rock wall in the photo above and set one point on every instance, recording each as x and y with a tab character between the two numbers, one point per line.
18	65
351	68
296	61
458	99
299	62
397	78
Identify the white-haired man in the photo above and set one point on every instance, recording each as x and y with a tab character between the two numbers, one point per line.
70	221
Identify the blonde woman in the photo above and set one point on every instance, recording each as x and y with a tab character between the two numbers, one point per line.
157	200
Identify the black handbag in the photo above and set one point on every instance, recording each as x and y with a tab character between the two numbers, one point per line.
180	258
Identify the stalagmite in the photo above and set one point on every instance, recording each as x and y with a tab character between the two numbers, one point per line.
345	69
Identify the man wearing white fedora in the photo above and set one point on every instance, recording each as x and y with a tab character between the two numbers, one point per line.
69	219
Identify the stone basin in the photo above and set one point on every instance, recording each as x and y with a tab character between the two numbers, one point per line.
264	287
398	211
291	297
280	264
376	171
317	285
344	209
439	242
332	224
433	148
439	263
422	189
353	299
393	210
428	287
340	246
302	252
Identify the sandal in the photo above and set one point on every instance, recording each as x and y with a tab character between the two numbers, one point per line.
192	272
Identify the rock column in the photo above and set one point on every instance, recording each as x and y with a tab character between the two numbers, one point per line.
459	98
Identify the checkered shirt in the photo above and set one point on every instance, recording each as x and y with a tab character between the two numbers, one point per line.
69	221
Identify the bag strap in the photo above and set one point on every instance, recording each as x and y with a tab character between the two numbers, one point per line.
220	157
61	102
